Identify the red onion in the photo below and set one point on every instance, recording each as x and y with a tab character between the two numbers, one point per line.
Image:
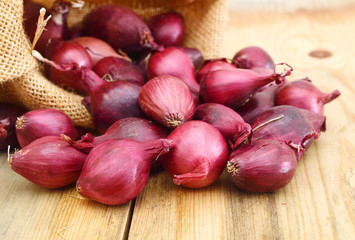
49	162
116	170
199	155
213	65
8	115
226	120
113	68
234	87
168	29
64	53
98	49
76	31
303	94
56	28
195	56
262	100
167	100
173	61
31	9
294	126
121	28
263	166
252	57
43	122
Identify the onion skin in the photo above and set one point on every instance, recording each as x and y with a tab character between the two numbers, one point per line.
167	100
121	28
66	53
56	28
114	69
117	170
75	31
261	101
174	62
230	124
43	122
199	155
253	57
304	94
48	162
213	65
294	126
263	166
195	56
8	115
234	87
168	29
31	9
97	48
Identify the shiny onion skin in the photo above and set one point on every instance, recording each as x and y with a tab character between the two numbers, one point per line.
230	124
8	115
48	162
195	56
43	122
65	53
174	62
263	166
117	170
262	100
253	57
294	126
304	94
213	65
199	155
56	27
167	100
168	29
121	28
114	69
97	48
234	87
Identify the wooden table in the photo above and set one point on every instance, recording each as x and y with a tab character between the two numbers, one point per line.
317	204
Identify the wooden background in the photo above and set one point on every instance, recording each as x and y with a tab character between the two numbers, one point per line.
317	204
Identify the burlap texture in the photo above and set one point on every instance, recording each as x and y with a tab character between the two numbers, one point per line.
21	78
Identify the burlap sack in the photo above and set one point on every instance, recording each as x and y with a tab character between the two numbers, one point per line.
21	78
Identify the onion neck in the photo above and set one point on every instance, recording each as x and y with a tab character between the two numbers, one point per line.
331	96
91	81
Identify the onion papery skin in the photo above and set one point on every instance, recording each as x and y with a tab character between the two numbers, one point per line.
167	100
97	48
49	162
304	94
174	62
117	170
56	27
38	123
66	53
168	29
195	56
253	57
213	65
262	166
261	101
230	124
121	28
118	69
199	155
294	126
8	116
234	87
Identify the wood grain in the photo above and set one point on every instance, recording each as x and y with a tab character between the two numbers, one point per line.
31	212
319	203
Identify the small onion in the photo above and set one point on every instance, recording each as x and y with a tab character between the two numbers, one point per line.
167	100
253	57
199	155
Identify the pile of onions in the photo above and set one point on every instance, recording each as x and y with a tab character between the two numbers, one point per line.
167	109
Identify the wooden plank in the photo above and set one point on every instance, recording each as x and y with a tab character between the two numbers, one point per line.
319	202
31	212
